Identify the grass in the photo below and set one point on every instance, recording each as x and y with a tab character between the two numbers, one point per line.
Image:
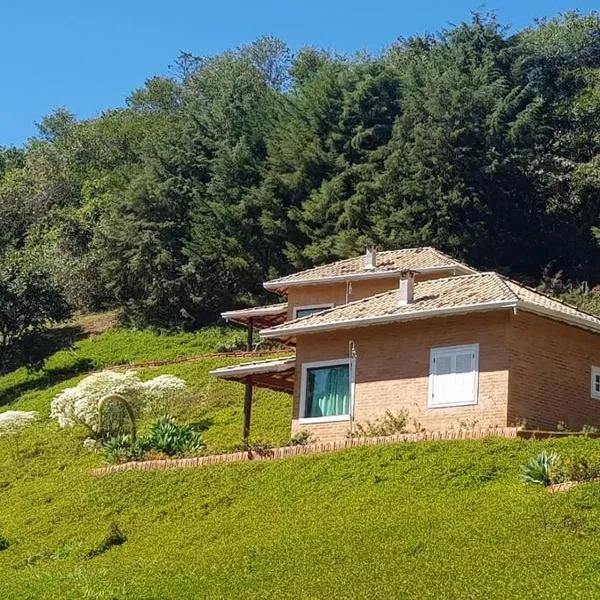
427	520
113	347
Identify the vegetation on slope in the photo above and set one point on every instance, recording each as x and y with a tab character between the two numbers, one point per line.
427	520
238	167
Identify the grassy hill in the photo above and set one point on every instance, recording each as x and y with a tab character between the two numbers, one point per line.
427	520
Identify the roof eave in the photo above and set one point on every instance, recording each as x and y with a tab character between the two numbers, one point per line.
275	332
276	366
275	285
254	312
557	315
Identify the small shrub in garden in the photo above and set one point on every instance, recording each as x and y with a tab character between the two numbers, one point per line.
12	420
80	405
3	543
579	468
167	436
235	345
590	429
541	470
389	424
302	438
121	448
258	446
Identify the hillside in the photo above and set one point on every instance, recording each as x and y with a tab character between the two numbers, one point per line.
426	520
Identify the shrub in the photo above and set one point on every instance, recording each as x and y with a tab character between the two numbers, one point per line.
3	544
121	448
541	470
302	438
236	345
79	405
389	424
12	420
167	436
579	468
590	429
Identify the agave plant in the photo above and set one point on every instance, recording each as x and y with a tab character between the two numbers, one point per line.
167	436
540	469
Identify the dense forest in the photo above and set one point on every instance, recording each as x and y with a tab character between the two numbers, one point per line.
236	168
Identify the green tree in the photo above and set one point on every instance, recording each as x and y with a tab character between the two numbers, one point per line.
29	303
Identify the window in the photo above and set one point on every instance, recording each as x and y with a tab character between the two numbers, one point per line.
595	383
305	311
453	375
326	391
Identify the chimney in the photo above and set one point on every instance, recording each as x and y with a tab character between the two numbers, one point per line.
371	258
406	292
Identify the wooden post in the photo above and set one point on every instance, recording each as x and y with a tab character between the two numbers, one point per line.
247	410
249	345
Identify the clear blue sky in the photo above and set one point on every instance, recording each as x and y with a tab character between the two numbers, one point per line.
89	55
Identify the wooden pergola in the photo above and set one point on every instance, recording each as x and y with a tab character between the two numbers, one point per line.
260	317
277	374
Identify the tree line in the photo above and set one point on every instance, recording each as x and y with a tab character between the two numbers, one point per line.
239	167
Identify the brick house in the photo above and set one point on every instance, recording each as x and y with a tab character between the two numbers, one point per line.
416	331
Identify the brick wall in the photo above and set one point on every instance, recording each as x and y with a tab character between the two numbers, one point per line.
392	370
550	365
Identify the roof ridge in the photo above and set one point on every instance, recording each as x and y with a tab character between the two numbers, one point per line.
549	297
430	249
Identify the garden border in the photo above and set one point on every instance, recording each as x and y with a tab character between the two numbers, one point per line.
190	359
317	448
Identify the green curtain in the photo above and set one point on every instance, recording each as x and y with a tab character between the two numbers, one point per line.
328	392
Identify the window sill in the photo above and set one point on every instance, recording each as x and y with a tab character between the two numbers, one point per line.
452	405
333	419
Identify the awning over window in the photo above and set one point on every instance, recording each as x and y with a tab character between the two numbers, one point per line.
261	316
276	374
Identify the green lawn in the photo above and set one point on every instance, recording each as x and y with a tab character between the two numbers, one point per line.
426	520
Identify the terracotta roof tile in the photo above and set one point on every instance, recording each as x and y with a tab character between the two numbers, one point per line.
467	293
391	261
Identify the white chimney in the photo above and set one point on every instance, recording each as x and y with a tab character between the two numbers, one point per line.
371	259
406	292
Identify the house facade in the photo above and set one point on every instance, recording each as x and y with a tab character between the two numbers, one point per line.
447	345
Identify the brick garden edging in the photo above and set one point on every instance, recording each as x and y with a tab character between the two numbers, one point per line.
317	448
191	359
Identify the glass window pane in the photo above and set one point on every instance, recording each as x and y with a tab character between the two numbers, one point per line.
304	312
463	363
443	365
328	391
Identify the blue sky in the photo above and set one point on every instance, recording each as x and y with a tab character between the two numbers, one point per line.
88	56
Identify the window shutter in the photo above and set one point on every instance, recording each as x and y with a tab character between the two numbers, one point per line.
453	375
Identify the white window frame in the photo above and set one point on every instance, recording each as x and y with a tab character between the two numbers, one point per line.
310	307
304	380
595	371
441	350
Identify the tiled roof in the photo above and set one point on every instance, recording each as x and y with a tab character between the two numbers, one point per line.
256	367
437	297
255	311
261	316
388	262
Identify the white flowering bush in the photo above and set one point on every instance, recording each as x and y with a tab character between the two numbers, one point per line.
162	388
80	405
12	420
